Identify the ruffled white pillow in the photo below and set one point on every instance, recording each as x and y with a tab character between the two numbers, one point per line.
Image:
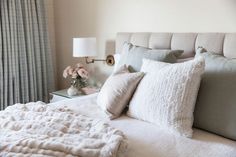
167	93
117	91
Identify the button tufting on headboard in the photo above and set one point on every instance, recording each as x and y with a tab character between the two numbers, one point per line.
219	43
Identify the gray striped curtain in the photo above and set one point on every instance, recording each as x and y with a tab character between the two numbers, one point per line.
25	58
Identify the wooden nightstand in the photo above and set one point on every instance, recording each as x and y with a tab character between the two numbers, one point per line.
62	95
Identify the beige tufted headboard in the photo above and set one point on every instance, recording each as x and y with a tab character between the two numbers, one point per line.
220	43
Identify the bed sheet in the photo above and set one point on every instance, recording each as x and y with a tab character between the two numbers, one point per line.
147	140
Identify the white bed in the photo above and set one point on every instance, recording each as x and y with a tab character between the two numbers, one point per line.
145	139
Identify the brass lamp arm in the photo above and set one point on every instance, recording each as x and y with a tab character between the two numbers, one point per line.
109	60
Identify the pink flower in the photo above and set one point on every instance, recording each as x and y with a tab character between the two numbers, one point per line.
74	74
76	69
70	71
79	65
65	72
83	73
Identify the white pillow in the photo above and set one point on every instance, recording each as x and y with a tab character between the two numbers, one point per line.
117	91
117	59
167	93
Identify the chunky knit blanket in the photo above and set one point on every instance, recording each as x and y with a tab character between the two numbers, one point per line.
36	129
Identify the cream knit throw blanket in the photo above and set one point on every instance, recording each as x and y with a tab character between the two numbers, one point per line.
35	129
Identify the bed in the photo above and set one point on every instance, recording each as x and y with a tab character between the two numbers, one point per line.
146	139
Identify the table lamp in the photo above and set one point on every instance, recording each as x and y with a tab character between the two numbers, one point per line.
86	47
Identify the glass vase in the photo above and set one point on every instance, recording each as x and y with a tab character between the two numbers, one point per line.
73	90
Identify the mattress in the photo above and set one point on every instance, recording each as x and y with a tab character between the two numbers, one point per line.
148	140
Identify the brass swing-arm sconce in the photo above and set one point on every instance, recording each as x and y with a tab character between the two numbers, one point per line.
109	60
86	47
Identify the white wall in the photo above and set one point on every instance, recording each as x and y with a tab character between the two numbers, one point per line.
104	18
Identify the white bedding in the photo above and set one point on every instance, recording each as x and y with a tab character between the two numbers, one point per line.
146	140
37	129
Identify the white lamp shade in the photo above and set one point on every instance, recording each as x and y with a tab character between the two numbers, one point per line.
84	47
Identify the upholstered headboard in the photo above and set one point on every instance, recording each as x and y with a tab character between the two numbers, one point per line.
220	43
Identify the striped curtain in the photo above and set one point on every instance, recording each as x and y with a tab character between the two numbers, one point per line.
25	58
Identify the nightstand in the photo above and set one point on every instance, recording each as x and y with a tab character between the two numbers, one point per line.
62	95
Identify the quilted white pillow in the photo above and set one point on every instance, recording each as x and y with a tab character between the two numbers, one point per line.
167	93
117	91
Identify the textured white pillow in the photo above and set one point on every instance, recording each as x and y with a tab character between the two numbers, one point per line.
167	93
117	91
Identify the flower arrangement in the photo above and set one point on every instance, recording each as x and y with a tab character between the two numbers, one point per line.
79	75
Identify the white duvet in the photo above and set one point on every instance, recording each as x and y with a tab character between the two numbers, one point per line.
36	129
147	140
